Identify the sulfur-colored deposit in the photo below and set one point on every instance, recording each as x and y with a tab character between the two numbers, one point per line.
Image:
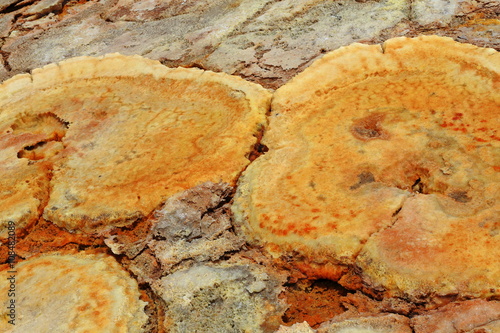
385	158
250	166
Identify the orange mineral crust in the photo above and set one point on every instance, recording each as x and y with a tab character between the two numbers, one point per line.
73	293
99	142
391	151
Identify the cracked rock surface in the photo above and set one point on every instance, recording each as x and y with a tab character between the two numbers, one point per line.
265	41
219	298
192	226
181	244
383	159
68	122
190	257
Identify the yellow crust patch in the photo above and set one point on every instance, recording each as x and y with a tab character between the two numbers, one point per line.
71	293
356	136
119	136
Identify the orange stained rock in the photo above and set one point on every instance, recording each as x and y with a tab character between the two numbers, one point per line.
352	142
98	142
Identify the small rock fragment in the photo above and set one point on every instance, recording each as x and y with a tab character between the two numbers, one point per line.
44	7
194	225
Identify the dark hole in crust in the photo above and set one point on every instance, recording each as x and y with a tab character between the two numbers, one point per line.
364	178
258	149
24	153
36	145
460	196
369	128
418	186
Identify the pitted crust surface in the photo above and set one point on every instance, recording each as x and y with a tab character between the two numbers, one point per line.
73	293
118	135
354	138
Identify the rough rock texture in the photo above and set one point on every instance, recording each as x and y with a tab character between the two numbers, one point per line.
266	41
185	255
99	142
220	298
387	158
72	293
470	316
194	225
389	323
296	328
313	301
191	226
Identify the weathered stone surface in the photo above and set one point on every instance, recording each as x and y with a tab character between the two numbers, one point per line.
469	316
44	7
221	298
388	323
4	4
6	24
288	35
192	226
266	41
437	11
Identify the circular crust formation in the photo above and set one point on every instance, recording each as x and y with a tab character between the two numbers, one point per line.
97	142
387	158
72	293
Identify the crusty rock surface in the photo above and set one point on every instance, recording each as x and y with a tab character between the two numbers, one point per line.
266	41
80	292
383	158
477	316
190	227
98	142
388	323
296	328
221	298
186	257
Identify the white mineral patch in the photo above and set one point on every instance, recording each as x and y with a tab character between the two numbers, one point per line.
434	11
222	298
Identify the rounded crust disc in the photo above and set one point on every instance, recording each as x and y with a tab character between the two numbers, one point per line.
390	151
97	142
73	293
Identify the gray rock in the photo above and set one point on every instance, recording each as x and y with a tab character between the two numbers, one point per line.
220	298
6	24
266	41
194	225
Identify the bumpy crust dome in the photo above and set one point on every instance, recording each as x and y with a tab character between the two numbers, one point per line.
73	293
390	151
112	137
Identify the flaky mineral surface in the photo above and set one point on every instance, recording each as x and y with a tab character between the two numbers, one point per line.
72	293
220	298
99	142
385	157
266	41
190	257
377	193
